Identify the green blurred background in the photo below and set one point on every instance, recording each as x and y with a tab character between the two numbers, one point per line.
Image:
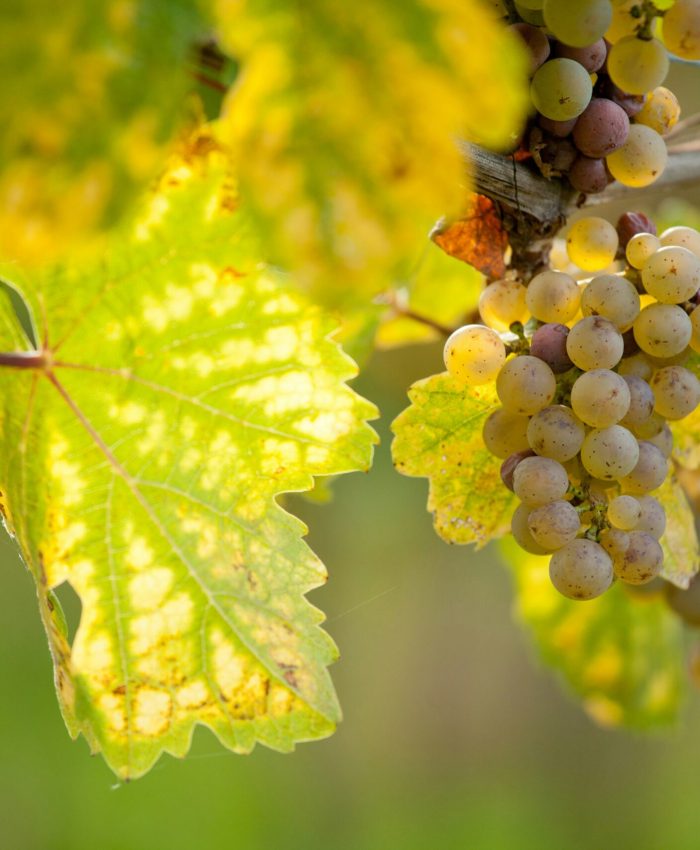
453	735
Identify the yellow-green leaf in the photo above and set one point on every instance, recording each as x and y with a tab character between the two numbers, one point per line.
621	653
184	386
345	118
439	437
680	540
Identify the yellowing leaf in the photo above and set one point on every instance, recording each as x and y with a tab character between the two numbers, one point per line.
439	437
622	653
90	96
345	118
184	386
680	540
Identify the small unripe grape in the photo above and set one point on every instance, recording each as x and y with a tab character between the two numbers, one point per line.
601	128
525	385
474	354
556	432
677	392
600	398
662	330
505	433
536	42
592	243
624	512
553	297
663	441
636	364
592	56
503	302
652	518
561	89
589	176
549	344
610	453
681	29
642	560
577	23
554	525
683	237
640	247
509	464
638	65
661	111
581	570
595	343
672	274
521	531
641	401
641	160
540	480
649	473
615	542
612	297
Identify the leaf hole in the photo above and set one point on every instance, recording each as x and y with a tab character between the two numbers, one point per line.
72	607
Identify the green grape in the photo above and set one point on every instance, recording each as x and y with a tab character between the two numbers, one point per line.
521	531
637	364
640	247
624	512
474	354
624	20
525	384
681	29
600	398
553	297
554	525
505	433
577	23
595	343
503	302
581	570
652	518
540	480
561	89
641	404
672	274
642	560
641	160
661	111
615	542
663	441
612	297
556	432
662	330
648	474
677	392
591	243
684	237
637	65
610	453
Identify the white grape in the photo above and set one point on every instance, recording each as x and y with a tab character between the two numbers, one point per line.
677	392
503	302
637	65
612	297
474	354
684	237
554	524
681	29
539	480
595	343
624	512
505	433
581	570
591	243
561	89
640	247
642	560
556	432
610	453
672	274
577	23
662	330
641	404
661	111
553	297
600	398
641	160
652	518
649	472
525	384
521	531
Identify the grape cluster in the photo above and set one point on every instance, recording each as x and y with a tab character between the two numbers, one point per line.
589	374
597	73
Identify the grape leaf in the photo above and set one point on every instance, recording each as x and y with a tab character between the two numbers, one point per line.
93	93
441	290
680	540
622	653
477	237
439	437
184	386
345	119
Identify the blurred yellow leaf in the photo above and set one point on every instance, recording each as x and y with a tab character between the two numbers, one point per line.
680	540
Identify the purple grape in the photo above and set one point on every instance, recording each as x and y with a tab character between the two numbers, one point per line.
509	464
601	129
560	129
536	42
630	343
630	224
549	344
589	176
592	57
631	103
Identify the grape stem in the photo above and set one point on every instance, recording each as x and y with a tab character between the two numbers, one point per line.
401	311
24	359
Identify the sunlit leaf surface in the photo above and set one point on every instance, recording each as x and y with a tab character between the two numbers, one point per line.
439	437
186	386
680	540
